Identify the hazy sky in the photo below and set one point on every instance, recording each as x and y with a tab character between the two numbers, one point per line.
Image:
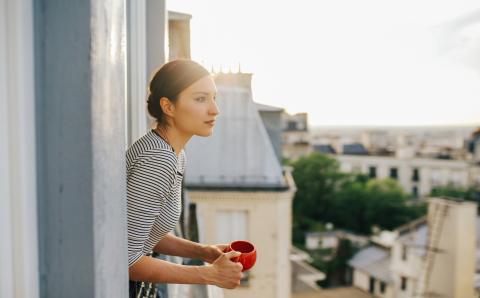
348	62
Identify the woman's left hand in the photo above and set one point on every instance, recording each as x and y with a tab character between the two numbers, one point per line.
212	252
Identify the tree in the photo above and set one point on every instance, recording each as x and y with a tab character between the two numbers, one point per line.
451	191
387	204
317	177
350	201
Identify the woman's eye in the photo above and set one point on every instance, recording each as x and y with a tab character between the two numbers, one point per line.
200	99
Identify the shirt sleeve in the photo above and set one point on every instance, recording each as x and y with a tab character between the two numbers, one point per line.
149	181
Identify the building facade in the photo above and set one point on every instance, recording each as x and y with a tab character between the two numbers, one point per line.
296	136
432	257
417	176
240	190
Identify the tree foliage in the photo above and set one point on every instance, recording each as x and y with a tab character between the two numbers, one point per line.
349	201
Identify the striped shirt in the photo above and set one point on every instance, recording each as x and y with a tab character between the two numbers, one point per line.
154	185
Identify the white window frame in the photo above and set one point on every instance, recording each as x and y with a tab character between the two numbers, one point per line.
135	109
19	276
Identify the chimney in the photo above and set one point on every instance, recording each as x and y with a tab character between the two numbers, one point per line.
234	79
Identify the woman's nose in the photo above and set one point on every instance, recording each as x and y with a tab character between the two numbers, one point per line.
214	109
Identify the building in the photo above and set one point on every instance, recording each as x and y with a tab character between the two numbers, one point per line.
179	35
473	146
331	239
240	190
272	119
437	256
417	176
296	136
304	276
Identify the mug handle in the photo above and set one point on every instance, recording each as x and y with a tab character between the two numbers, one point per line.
234	259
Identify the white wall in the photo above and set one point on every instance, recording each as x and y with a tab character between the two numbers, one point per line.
432	172
268	227
18	218
361	280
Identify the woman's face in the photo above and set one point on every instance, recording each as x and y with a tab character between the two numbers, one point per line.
196	108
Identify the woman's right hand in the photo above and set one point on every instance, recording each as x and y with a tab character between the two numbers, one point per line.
225	272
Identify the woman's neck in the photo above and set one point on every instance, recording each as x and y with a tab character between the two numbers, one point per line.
175	138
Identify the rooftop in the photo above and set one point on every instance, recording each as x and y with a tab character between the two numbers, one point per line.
266	108
375	261
239	154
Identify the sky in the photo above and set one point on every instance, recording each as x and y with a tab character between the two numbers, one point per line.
348	62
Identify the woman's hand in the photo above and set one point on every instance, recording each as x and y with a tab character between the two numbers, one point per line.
224	273
211	252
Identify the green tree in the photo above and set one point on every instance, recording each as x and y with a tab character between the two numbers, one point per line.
387	206
317	177
350	201
451	191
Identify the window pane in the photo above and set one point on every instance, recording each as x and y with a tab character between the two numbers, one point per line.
231	225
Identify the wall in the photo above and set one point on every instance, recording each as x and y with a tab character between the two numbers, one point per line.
269	226
80	97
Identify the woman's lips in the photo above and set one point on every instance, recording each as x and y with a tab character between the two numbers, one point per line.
211	123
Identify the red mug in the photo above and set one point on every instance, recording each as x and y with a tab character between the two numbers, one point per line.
248	256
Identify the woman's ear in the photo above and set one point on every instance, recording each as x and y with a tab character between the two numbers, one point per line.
167	106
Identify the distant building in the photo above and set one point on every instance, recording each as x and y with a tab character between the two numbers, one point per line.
417	176
436	257
473	146
326	149
375	140
272	119
304	276
179	35
331	239
240	190
354	149
296	136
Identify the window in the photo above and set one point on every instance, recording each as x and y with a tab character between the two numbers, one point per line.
372	172
231	225
415	191
382	287
394	173
371	287
403	285
416	175
404	252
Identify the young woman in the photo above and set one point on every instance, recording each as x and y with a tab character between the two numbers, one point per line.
182	100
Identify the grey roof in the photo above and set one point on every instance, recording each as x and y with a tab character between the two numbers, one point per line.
239	154
266	108
324	149
375	261
416	239
354	149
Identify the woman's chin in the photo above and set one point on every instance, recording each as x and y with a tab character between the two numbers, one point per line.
205	133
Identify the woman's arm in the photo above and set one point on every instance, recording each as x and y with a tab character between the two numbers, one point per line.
176	246
223	272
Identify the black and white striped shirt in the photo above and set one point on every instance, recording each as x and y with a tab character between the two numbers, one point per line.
154	182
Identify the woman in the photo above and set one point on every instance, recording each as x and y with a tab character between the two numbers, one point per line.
182	100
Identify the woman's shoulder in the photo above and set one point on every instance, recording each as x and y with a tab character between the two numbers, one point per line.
150	146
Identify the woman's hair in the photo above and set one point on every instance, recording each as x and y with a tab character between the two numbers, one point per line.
169	81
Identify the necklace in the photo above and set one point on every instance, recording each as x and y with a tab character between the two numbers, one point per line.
163	136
